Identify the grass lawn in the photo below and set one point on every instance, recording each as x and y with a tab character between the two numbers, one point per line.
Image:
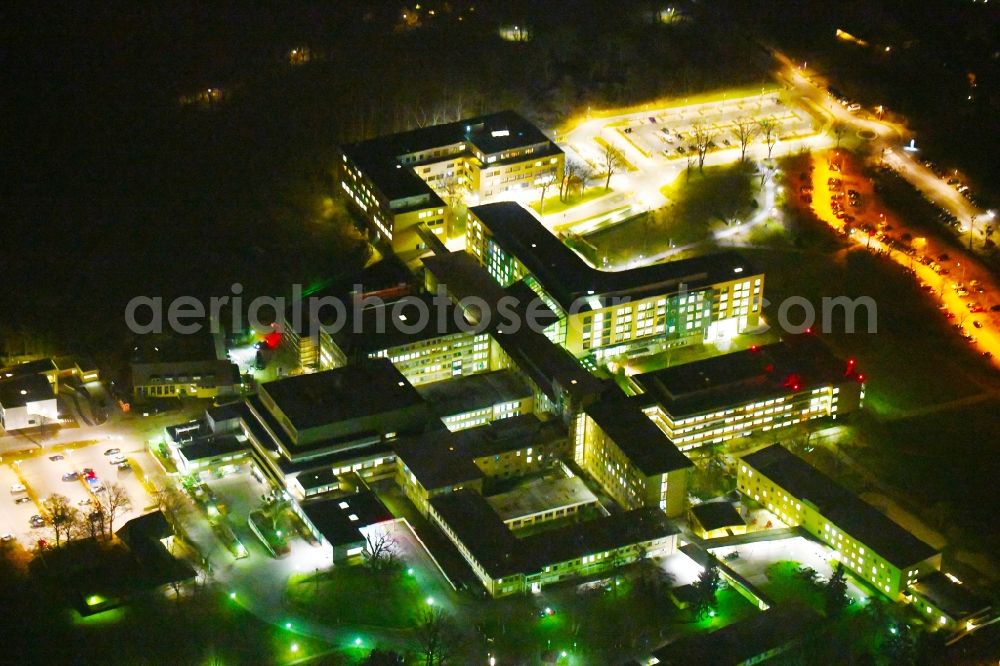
783	586
553	205
345	595
931	402
697	207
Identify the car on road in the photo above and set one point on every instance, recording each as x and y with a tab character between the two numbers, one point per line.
112	452
36	521
977	324
22	500
70	476
55	458
16	488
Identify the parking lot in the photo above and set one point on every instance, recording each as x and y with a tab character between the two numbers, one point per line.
62	471
668	133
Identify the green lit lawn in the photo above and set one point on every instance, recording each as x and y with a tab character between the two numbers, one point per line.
784	586
599	627
553	205
354	595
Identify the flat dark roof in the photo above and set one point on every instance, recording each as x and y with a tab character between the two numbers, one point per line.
399	321
567	277
857	518
954	599
636	435
465	394
802	361
716	515
549	366
213	447
371	386
740	642
495	547
40	366
435	460
19	390
510	434
333	517
208	373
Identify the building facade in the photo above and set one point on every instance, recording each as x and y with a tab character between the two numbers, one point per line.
616	314
412	179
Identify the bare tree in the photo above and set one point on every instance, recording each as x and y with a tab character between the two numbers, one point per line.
769	130
839	129
571	173
744	129
435	634
454	192
612	162
63	517
380	552
703	136
111	503
543	184
584	173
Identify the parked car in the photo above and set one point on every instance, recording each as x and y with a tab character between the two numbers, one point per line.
16	488
116	459
112	452
22	500
36	521
55	458
70	476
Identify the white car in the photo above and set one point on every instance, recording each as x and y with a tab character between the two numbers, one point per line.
16	488
116	459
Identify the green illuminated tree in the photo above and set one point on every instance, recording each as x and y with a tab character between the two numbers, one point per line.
705	588
835	592
380	657
435	634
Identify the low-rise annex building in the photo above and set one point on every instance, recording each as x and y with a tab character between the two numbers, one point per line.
507	564
869	544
